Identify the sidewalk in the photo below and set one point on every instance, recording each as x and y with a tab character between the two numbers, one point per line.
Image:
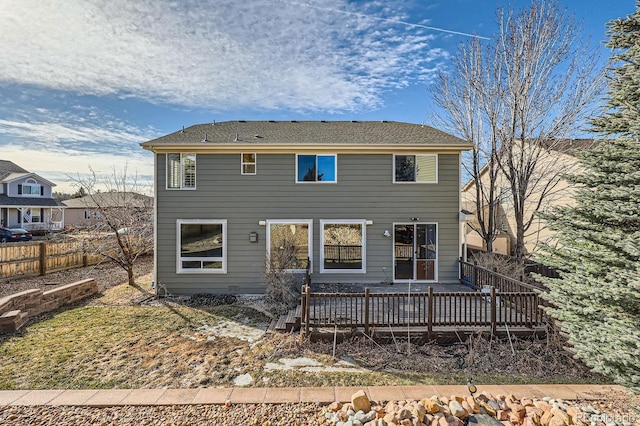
323	395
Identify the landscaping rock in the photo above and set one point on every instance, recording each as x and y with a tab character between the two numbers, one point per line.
360	401
405	413
431	405
449	420
457	409
488	408
473	404
461	411
482	420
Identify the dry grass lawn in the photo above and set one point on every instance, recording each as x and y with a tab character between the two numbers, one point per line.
124	338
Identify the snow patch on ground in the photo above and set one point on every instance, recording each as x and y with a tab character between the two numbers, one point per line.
247	332
243	380
313	366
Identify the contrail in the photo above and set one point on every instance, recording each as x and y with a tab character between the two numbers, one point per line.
394	21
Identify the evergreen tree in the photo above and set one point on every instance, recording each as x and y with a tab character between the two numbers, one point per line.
597	299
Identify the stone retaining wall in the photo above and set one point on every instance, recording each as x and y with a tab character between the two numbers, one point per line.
18	308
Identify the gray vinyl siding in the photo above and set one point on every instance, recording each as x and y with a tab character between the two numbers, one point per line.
364	190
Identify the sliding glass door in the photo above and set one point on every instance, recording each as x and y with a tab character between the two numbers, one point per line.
415	251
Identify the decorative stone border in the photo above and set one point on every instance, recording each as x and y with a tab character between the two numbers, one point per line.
18	308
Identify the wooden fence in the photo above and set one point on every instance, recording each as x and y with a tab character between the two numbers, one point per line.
41	258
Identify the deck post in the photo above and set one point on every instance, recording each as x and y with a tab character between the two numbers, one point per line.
303	304
475	283
430	314
366	310
494	277
307	314
494	316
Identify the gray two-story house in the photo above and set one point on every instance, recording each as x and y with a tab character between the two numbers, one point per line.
360	202
26	200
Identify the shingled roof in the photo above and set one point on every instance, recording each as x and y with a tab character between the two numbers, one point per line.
10	171
110	199
7	168
6	201
335	134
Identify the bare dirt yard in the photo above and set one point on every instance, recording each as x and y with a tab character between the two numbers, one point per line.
127	338
107	274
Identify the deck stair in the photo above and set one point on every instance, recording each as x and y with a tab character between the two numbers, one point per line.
288	322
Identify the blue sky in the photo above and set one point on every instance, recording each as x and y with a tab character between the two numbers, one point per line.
83	82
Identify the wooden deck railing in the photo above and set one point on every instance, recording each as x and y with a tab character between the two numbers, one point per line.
479	278
498	302
433	309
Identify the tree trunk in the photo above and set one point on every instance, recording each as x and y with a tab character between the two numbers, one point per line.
132	280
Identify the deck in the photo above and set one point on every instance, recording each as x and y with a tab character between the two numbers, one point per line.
484	302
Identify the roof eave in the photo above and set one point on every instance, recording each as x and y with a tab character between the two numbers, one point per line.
28	175
212	148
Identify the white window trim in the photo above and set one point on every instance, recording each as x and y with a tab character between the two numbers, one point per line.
243	163
363	224
39	216
182	187
314	182
31	182
179	259
417	181
308	222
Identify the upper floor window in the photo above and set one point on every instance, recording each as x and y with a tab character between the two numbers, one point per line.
181	171
316	168
248	164
30	187
415	168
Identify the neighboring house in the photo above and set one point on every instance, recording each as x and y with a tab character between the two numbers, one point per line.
552	164
363	201
84	210
26	200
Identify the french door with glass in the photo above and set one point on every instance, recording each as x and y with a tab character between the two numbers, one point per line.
415	252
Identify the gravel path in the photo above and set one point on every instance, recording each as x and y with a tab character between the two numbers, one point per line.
107	274
236	415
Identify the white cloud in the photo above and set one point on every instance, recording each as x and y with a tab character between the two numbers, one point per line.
57	145
75	129
222	54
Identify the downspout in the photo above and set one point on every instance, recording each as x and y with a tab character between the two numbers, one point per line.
155	221
462	229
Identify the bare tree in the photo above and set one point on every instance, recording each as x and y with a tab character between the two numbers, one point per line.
120	225
469	106
518	97
282	286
